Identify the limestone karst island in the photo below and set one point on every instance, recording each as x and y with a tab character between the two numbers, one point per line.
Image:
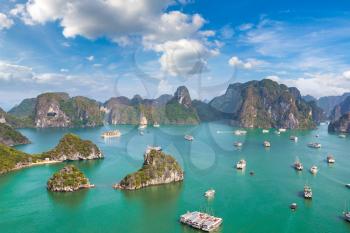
174	116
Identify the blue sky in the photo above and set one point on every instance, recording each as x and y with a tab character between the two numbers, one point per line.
105	48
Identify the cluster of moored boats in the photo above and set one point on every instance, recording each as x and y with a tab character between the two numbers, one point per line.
241	164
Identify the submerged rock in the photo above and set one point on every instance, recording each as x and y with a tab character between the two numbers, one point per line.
68	179
71	147
158	168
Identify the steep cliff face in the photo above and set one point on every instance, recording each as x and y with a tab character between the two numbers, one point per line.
68	179
59	110
265	104
166	109
48	111
10	136
340	109
341	125
71	147
158	168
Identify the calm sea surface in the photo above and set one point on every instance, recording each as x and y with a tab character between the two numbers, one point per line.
248	204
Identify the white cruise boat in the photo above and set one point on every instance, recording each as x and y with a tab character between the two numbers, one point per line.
238	144
282	130
241	164
156	125
342	136
314	170
293	138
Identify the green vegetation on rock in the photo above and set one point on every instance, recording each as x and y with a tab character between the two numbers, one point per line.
72	147
10	136
11	158
158	168
68	179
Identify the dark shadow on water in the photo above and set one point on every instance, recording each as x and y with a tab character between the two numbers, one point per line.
160	194
71	200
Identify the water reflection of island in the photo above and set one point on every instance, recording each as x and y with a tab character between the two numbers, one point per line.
72	200
155	195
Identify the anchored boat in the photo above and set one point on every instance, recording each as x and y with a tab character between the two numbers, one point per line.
330	159
241	164
238	144
210	193
202	221
315	145
293	138
298	165
265	131
314	170
267	144
240	132
307	192
156	125
189	137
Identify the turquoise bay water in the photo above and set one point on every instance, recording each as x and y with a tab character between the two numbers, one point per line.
248	204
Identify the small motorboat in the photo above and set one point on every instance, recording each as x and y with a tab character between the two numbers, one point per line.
189	137
267	144
347	216
315	145
210	193
238	144
241	164
298	165
314	170
293	206
347	185
293	138
307	192
342	136
330	159
265	131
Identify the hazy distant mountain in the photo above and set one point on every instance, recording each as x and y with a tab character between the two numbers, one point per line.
261	104
328	103
309	98
166	109
24	109
340	109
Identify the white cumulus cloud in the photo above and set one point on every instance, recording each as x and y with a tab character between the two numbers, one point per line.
5	22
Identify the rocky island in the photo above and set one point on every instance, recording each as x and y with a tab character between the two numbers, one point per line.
158	168
71	147
68	179
340	117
